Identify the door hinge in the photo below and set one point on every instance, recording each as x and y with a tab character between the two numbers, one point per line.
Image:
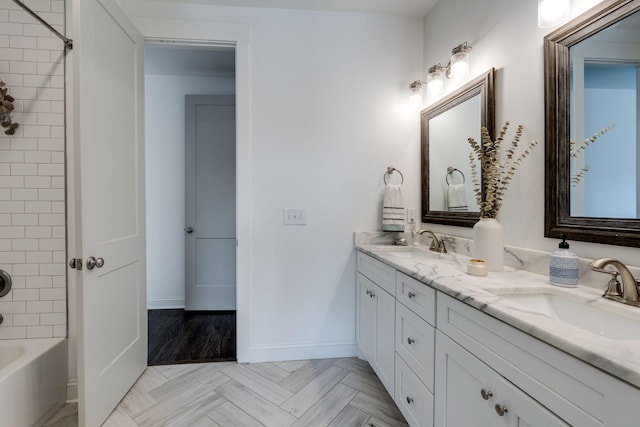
76	263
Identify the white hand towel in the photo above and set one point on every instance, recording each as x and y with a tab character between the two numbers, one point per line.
457	198
393	209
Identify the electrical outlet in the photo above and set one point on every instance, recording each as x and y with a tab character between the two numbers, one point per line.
295	216
411	216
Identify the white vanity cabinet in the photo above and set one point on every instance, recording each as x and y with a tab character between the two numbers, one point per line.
375	331
469	393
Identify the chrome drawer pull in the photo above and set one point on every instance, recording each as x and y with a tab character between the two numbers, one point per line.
501	409
410	340
409	400
486	394
411	295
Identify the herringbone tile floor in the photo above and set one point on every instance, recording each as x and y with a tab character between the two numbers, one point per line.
327	392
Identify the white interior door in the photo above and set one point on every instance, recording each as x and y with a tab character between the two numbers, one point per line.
109	193
210	203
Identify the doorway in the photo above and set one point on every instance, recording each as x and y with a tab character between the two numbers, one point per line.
190	323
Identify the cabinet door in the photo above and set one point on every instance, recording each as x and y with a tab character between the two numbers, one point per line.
464	387
366	328
520	410
385	338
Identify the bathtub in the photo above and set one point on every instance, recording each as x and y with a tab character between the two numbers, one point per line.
33	380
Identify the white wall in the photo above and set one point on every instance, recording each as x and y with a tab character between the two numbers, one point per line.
165	172
329	113
32	169
504	35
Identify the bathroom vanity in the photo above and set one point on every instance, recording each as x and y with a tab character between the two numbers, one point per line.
505	349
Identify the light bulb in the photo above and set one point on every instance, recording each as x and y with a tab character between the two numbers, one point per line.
552	12
435	81
415	94
460	61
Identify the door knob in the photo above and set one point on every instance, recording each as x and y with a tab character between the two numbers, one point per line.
94	262
189	230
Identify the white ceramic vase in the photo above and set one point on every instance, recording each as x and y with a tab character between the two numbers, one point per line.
488	243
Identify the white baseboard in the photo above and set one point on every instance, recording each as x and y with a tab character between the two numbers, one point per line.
300	352
72	390
164	303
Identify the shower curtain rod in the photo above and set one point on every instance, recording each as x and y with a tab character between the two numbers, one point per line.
67	41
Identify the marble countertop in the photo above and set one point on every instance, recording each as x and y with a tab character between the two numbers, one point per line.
447	273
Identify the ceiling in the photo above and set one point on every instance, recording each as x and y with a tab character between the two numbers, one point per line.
418	8
180	61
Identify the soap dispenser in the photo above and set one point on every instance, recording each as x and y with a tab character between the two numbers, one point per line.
563	265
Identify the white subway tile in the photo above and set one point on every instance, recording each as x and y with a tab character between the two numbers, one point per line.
5	169
21	67
26	294
36	131
38	282
51	219
20	16
26	194
57	6
26	269
26	118
55	19
4	68
12	80
59	281
57	106
57	182
39	331
51	169
26	319
11	232
23	42
11	182
11	156
37	156
39	307
57	81
57	132
4	41
24	219
24	245
10	28
9	54
37	181
59	306
53	318
37	232
56	207
39	106
24	169
53	269
53	144
52	244
24	93
38	207
13	307
51	94
12	257
50	69
58	232
24	143
59	331
12	333
36	30
35	80
5	219
4	15
51	119
53	294
39	257
18	283
11	207
59	257
50	194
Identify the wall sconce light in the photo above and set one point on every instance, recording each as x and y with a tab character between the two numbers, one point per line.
552	12
457	68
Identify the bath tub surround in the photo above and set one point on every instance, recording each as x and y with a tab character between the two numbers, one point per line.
33	380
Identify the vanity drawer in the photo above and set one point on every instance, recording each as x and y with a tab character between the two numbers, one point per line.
412	397
378	272
415	343
420	298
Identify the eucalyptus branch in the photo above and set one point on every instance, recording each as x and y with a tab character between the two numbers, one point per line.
496	175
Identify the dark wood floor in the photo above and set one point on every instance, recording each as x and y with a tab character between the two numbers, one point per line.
179	336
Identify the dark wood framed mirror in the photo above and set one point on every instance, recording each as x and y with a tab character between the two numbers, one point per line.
591	74
447	188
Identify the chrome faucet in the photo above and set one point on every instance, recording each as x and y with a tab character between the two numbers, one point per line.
628	293
437	245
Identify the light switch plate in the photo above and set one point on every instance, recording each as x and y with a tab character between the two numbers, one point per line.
295	216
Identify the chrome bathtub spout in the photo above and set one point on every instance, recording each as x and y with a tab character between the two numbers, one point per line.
629	292
437	245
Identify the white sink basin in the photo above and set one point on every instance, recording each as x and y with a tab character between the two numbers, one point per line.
599	317
409	252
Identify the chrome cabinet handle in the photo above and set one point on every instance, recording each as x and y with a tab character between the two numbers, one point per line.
371	294
189	230
410	340
93	262
486	394
501	409
411	295
409	400
368	292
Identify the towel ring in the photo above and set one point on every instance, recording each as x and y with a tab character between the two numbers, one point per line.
390	170
451	170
